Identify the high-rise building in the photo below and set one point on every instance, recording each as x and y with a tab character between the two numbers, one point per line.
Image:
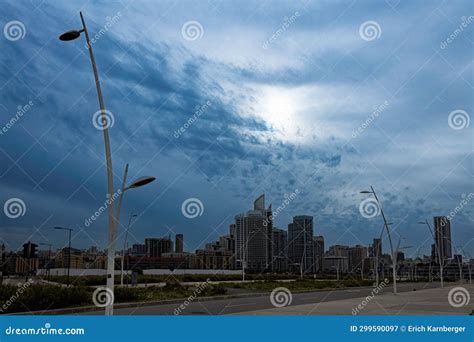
154	247
442	230
318	253
339	250
138	249
376	249
280	261
375	252
227	242
300	244
179	243
357	256
253	237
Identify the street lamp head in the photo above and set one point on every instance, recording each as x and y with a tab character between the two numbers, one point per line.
70	35
421	222
366	192
64	228
141	181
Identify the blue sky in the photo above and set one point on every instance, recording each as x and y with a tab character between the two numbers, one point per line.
300	97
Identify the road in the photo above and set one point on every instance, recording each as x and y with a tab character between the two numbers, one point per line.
238	305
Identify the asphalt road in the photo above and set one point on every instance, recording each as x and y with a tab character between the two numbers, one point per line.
238	305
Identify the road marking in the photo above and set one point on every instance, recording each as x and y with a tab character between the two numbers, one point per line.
243	304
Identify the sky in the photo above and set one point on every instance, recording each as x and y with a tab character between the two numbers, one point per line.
307	102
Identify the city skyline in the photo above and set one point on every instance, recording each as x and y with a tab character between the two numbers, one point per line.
339	115
299	238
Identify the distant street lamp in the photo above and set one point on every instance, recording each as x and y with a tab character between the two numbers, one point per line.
468	257
125	246
69	250
394	271
438	251
48	267
135	184
398	249
71	35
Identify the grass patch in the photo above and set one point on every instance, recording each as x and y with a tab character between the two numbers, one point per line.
47	297
301	284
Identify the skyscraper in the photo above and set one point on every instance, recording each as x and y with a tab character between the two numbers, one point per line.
442	230
318	253
376	248
253	237
280	261
357	256
300	244
155	247
179	243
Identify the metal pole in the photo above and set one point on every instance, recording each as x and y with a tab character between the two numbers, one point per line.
124	246
440	259
110	180
394	271
49	261
69	257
